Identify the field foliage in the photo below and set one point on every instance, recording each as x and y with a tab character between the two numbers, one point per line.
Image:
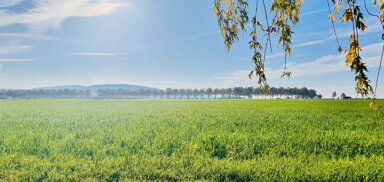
243	140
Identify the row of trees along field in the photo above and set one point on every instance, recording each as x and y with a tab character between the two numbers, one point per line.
208	93
42	93
212	93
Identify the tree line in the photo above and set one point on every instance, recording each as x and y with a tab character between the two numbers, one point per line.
169	93
213	93
43	93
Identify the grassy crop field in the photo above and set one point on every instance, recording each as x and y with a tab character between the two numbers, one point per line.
233	140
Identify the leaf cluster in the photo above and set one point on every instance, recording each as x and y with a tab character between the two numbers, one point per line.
285	15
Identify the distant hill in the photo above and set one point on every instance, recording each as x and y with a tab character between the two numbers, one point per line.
94	88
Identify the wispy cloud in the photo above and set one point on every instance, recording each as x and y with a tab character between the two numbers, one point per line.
115	55
314	12
311	43
275	55
320	66
15	49
181	39
373	25
96	54
47	14
200	35
9	3
29	36
5	60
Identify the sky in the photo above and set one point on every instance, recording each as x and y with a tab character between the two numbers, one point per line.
165	43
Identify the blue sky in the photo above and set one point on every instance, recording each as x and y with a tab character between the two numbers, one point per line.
163	43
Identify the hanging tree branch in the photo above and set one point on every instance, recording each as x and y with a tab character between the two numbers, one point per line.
232	15
333	20
286	73
374	104
269	28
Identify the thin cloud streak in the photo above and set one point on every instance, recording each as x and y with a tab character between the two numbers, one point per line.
96	54
15	49
115	56
209	34
311	43
373	25
29	36
180	40
314	12
320	66
7	60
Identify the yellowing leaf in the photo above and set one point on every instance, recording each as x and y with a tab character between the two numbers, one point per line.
250	75
352	38
349	59
339	49
266	36
374	105
260	25
254	33
332	18
288	50
337	9
347	15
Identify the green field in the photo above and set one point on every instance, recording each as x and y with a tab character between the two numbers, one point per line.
243	140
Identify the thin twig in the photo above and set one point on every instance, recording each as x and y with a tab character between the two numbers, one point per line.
365	5
254	25
355	30
285	60
269	28
378	72
265	52
284	47
333	25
